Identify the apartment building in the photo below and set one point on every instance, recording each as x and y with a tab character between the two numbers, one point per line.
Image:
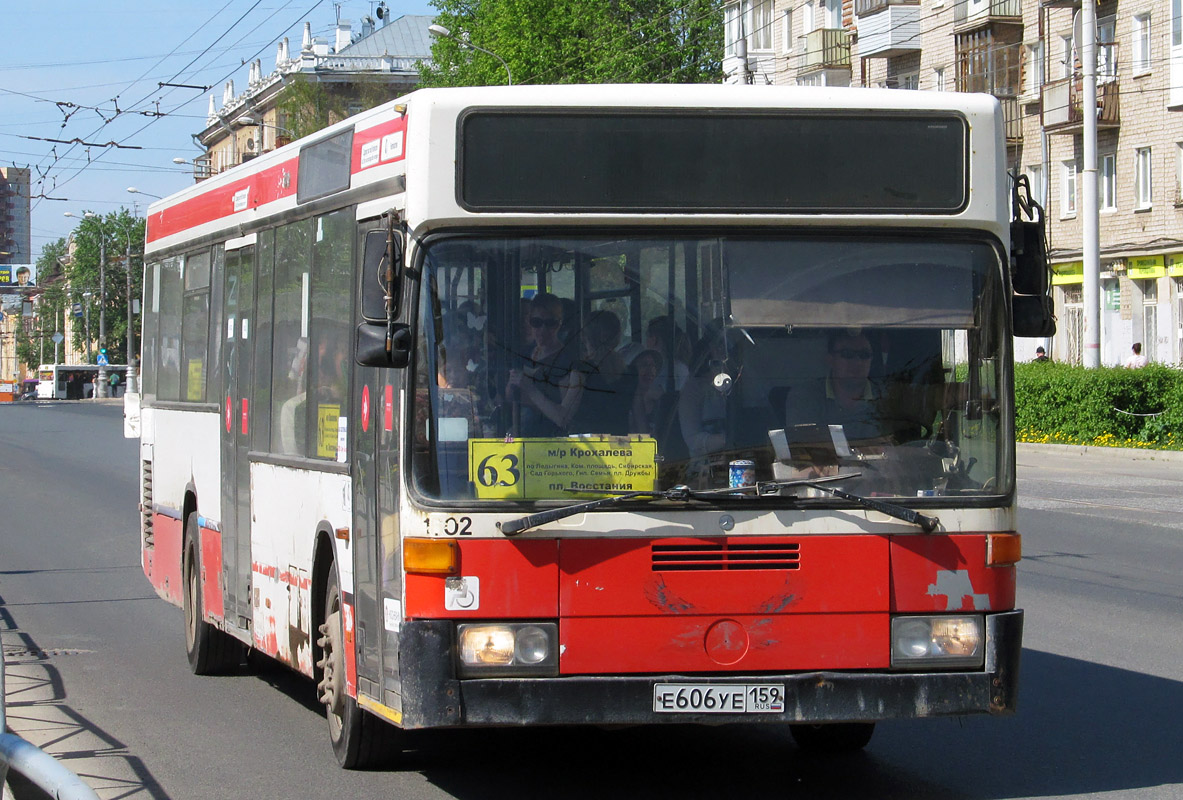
251	122
14	216
1024	53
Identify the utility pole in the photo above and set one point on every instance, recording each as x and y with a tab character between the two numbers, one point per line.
1091	250
131	331
100	390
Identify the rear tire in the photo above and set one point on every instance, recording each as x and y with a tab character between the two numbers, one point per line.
210	651
359	739
843	737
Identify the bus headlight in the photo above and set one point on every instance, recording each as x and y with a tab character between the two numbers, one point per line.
937	641
509	648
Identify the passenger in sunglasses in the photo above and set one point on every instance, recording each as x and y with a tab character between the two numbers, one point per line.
548	371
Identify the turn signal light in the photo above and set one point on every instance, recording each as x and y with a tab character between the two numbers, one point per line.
1003	549
436	556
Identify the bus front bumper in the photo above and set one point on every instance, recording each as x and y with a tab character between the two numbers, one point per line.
810	697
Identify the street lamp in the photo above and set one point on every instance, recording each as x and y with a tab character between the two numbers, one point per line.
101	389
440	32
134	190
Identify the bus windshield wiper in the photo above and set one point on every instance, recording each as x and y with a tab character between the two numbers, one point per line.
927	524
678	493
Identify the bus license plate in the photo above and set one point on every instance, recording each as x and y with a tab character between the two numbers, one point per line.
718	698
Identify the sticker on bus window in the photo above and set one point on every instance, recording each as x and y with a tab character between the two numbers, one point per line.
535	469
327	415
194	386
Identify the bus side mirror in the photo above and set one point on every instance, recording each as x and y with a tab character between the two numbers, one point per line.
373	348
381	341
1032	314
1029	271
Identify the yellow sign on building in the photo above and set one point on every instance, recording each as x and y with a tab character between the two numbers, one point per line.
1145	267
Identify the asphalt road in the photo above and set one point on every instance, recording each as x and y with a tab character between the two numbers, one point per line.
97	672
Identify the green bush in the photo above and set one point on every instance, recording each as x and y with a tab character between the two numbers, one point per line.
1110	406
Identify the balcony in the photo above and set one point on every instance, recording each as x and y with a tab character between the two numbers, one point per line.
1062	107
827	48
893	31
865	8
980	13
202	167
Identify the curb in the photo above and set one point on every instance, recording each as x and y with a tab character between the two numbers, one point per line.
1115	453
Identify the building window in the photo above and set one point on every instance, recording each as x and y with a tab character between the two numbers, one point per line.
1107	182
908	80
731	24
1107	49
760	36
807	21
938	76
1038	189
787	31
1142	178
1178	173
1141	44
832	13
1035	73
1068	189
1067	65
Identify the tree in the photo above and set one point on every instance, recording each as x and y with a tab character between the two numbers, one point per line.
578	41
119	233
309	105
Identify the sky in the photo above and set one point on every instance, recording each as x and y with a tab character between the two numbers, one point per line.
90	71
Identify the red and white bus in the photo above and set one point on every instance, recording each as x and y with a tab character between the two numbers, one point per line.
597	405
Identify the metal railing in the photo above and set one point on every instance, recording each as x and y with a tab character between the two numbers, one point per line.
965	11
33	762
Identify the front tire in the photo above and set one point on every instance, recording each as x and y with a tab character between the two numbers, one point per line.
210	651
359	738
843	737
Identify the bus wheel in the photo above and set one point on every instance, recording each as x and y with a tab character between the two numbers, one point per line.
359	739
843	737
210	650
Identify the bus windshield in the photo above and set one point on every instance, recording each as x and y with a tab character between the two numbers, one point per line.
565	368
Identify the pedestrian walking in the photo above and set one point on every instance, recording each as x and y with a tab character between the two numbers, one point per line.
1136	359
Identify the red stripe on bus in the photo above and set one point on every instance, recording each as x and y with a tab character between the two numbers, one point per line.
381	152
265	186
272	183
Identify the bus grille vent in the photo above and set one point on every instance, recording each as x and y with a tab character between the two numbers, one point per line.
146	504
726	556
